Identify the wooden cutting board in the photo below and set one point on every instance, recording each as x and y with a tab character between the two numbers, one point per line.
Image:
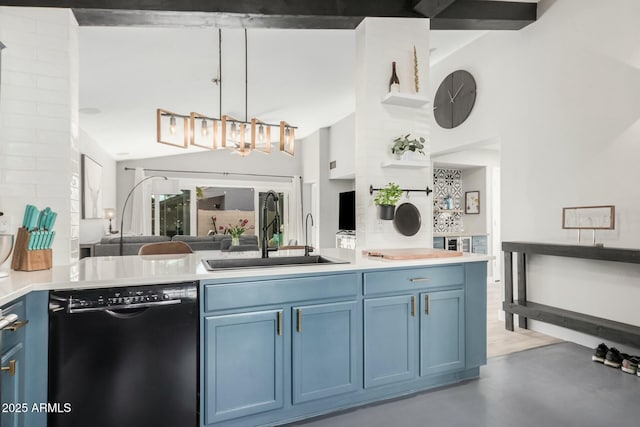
410	253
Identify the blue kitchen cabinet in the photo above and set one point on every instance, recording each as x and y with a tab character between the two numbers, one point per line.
389	340
13	367
277	350
13	397
325	352
244	364
442	332
475	303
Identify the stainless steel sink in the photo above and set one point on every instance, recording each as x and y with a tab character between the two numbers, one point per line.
277	261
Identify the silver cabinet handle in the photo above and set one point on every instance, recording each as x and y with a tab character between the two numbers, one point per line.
8	320
16	325
419	279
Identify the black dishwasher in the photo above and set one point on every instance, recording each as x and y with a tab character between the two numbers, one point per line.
125	357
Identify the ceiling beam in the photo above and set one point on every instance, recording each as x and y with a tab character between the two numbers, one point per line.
140	18
336	14
431	7
353	8
485	15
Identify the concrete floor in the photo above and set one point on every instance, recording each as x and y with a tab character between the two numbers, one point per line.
553	386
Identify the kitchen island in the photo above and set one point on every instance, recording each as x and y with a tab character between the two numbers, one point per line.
280	344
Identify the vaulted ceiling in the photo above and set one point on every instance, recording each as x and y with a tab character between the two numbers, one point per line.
139	55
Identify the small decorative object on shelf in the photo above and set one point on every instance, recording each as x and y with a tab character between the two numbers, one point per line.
448	203
394	82
416	81
404	145
386	200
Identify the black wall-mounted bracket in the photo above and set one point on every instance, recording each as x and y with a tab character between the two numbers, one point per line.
405	190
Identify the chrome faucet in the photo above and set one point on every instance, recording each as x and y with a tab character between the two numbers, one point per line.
265	225
307	248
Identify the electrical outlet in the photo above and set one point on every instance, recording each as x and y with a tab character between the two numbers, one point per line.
5	224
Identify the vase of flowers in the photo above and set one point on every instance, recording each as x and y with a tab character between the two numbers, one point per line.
237	230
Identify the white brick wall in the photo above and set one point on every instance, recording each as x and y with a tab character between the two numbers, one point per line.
379	42
39	120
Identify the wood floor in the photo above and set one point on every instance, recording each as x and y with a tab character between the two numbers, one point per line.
499	340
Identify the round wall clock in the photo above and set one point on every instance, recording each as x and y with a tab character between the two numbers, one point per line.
454	99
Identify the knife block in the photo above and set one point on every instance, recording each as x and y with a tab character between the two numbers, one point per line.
26	260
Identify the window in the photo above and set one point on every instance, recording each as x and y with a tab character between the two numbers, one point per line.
170	214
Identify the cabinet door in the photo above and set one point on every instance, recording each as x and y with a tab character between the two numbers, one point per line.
243	364
13	386
389	340
325	350
441	332
479	245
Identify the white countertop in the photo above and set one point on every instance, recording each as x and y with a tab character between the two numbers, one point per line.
101	272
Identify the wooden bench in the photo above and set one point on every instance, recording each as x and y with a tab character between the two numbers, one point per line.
622	333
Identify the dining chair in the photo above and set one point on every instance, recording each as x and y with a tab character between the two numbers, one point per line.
163	248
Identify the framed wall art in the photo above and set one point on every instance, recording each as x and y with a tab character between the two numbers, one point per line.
91	188
589	217
472	202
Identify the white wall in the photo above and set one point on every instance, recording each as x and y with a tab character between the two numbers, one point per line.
562	96
92	229
475	179
316	155
342	148
39	159
379	42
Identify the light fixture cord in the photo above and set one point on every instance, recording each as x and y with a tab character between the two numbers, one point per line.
220	74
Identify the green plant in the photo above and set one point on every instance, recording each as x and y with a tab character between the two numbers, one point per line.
403	144
389	195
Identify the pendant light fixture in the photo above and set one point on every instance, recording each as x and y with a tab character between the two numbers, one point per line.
225	131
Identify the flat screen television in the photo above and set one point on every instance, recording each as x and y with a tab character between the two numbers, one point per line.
347	211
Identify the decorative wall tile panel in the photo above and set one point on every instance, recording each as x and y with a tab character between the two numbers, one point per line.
447	183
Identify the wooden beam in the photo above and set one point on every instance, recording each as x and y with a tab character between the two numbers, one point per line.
485	15
140	18
432	8
389	8
338	14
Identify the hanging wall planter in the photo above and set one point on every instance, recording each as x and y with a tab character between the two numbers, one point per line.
386	200
386	212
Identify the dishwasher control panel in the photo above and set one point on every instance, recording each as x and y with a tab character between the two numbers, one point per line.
125	297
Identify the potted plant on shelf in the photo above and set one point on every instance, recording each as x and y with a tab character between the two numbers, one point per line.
403	146
386	200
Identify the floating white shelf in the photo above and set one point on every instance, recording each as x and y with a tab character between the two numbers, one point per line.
405	99
407	164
